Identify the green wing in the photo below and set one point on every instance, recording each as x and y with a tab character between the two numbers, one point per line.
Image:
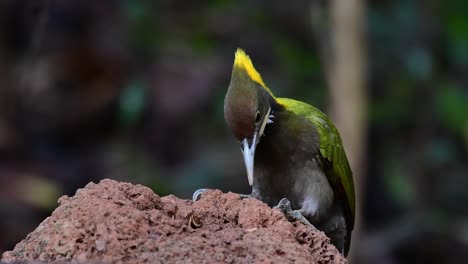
331	149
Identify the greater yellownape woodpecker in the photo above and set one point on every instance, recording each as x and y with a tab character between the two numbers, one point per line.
300	164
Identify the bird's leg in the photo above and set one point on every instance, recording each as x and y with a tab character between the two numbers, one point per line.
285	206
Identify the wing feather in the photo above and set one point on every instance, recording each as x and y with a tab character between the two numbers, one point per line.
331	149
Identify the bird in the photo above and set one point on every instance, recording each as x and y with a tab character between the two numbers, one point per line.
293	155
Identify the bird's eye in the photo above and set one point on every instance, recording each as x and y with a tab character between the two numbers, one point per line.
257	117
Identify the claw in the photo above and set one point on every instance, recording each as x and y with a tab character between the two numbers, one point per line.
284	206
197	194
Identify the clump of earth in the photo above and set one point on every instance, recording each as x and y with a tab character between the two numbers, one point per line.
115	222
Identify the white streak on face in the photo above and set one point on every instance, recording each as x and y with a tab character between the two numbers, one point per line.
249	151
270	117
264	123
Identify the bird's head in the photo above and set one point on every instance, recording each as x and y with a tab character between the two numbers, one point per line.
247	107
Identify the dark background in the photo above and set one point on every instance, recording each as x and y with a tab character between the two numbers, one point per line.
134	90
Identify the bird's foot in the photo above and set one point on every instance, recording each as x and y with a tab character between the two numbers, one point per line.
197	194
285	207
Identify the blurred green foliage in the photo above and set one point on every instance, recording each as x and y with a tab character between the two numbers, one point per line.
140	87
452	107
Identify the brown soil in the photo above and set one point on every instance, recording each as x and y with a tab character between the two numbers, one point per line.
113	222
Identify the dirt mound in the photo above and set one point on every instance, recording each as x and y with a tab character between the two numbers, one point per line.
113	222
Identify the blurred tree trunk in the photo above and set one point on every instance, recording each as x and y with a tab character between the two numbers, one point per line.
347	79
342	47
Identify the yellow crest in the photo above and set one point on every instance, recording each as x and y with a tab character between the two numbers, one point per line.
242	60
